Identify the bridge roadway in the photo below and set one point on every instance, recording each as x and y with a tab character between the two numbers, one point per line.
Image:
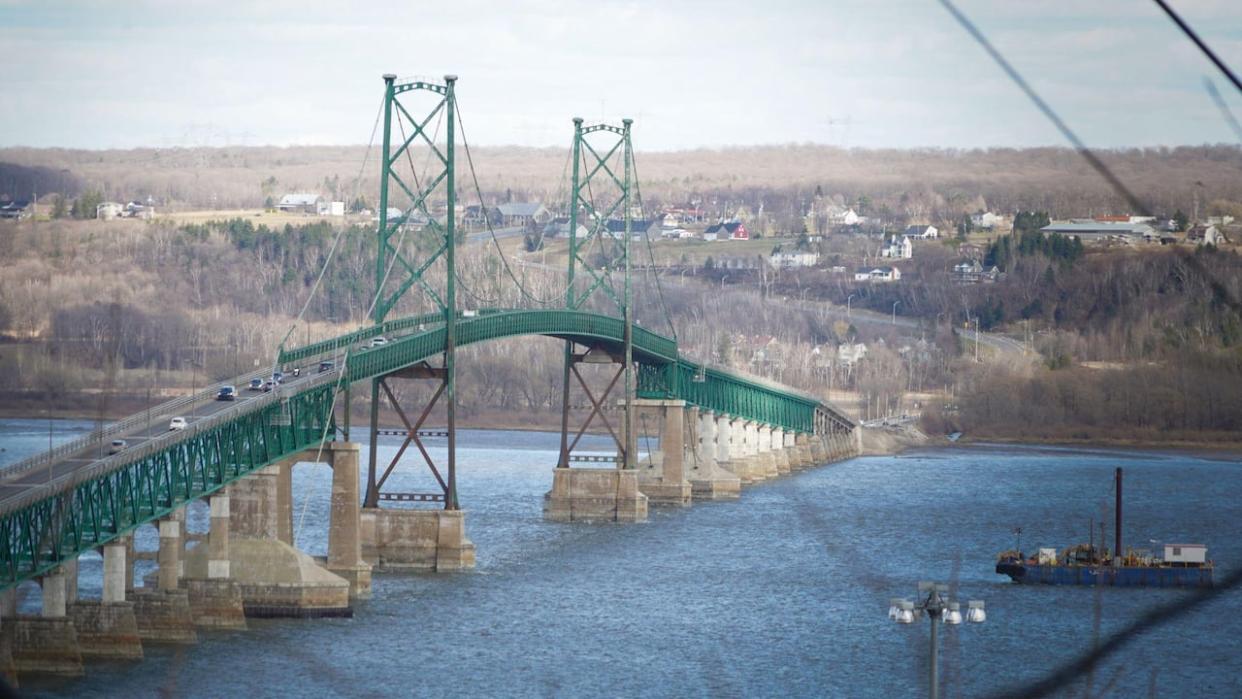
75	500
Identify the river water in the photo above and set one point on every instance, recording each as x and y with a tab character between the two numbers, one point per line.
783	593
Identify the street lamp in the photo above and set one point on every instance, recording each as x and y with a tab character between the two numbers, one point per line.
847	305
895	305
933	600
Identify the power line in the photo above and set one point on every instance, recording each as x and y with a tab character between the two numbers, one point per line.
1225	112
1207	50
1064	128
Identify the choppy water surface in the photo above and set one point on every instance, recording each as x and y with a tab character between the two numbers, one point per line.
784	592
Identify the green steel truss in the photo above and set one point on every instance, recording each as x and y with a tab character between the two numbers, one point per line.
662	372
86	509
117	495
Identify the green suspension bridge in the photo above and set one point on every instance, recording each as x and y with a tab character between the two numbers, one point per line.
76	497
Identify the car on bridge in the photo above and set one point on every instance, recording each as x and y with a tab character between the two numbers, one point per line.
379	341
177	423
227	393
117	446
278	377
255	385
326	366
268	386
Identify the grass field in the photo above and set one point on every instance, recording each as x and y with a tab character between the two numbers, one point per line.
272	219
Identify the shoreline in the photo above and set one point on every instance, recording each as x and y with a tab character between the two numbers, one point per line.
876	442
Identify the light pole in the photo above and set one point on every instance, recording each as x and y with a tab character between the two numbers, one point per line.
934	600
847	305
895	305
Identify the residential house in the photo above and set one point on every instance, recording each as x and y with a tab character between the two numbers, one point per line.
299	203
850	353
786	259
615	227
136	209
1219	220
109	210
837	215
898	249
730	230
926	232
16	210
1205	235
559	226
523	213
877	274
972	272
986	220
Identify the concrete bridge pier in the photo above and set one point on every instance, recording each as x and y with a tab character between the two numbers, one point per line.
8	619
48	644
344	526
745	441
662	478
728	452
819	449
163	614
595	495
708	479
272	578
783	467
792	453
215	601
767	457
421	540
107	629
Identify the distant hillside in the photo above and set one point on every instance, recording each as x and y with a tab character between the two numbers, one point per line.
907	182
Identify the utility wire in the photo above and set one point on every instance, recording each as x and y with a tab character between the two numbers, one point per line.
1225	112
1065	130
1207	50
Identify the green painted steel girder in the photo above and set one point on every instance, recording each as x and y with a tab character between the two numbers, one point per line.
85	510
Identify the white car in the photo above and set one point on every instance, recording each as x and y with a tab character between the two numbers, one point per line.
379	341
177	423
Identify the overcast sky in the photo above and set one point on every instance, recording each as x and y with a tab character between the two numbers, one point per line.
866	73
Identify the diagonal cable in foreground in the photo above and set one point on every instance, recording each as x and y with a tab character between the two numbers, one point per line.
1065	130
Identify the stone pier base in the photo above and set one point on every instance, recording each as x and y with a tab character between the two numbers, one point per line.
594	494
662	491
781	456
276	580
767	464
716	484
215	604
819	452
747	469
106	630
425	540
164	616
46	646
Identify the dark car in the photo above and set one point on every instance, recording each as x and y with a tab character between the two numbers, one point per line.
268	386
326	366
227	393
278	376
256	385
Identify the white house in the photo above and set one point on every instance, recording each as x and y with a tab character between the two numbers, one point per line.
841	216
896	249
926	232
877	274
849	354
1205	235
108	210
303	203
789	259
524	213
986	220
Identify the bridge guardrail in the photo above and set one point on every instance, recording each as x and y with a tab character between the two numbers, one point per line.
96	437
114	462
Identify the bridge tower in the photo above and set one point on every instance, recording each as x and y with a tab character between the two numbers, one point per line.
413	237
596	174
595	150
